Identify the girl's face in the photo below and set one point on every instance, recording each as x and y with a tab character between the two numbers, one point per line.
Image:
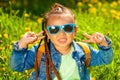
61	39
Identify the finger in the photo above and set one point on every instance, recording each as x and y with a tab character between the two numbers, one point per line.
42	37
100	39
87	35
38	34
29	34
88	41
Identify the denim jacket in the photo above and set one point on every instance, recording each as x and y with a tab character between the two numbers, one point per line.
23	59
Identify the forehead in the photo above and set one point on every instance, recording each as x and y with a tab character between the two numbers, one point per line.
60	19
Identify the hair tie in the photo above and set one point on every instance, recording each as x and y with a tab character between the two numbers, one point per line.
58	9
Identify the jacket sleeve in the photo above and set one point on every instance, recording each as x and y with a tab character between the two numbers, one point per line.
22	59
104	55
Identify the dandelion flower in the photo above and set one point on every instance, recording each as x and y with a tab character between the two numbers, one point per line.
112	11
27	29
113	4
94	1
119	73
93	78
21	36
118	2
4	58
99	4
26	15
92	10
103	10
79	4
0	35
39	20
10	46
90	5
3	69
5	35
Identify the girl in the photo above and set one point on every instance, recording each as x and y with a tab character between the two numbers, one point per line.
63	58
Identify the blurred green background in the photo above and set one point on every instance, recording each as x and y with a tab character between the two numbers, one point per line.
39	7
20	16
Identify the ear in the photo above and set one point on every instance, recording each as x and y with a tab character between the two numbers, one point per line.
76	29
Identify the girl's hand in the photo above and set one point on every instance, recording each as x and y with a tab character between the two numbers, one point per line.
28	38
96	38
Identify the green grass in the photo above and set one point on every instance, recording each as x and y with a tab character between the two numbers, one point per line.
13	27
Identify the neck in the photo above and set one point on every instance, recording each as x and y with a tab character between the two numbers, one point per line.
64	50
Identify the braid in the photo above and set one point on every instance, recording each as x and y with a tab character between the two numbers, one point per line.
36	59
49	64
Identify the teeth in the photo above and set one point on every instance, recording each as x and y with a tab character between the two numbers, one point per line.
62	40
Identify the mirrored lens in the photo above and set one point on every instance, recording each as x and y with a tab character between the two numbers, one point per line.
54	29
68	28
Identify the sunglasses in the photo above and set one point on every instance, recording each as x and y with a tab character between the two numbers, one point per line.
67	28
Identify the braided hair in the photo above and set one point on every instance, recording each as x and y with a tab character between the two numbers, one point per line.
57	9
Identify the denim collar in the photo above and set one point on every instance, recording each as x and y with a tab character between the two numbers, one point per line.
78	53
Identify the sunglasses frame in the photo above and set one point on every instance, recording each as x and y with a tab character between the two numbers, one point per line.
61	27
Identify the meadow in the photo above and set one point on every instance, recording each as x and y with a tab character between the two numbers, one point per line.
92	17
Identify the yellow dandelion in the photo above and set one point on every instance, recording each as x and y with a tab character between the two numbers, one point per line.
99	4
36	42
119	73
94	1
14	73
0	35
4	58
3	69
28	75
93	78
26	71
5	35
112	11
10	46
103	10
79	3
0	41
39	20
116	17
30	45
12	41
92	10
1	48
27	29
113	4
118	2
21	36
26	15
90	5
118	13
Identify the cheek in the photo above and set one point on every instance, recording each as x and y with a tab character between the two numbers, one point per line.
51	37
71	36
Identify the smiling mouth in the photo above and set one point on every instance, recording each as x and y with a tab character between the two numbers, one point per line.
62	40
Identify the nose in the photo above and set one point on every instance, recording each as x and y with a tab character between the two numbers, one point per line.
62	32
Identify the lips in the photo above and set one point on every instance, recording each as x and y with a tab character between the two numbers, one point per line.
62	40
